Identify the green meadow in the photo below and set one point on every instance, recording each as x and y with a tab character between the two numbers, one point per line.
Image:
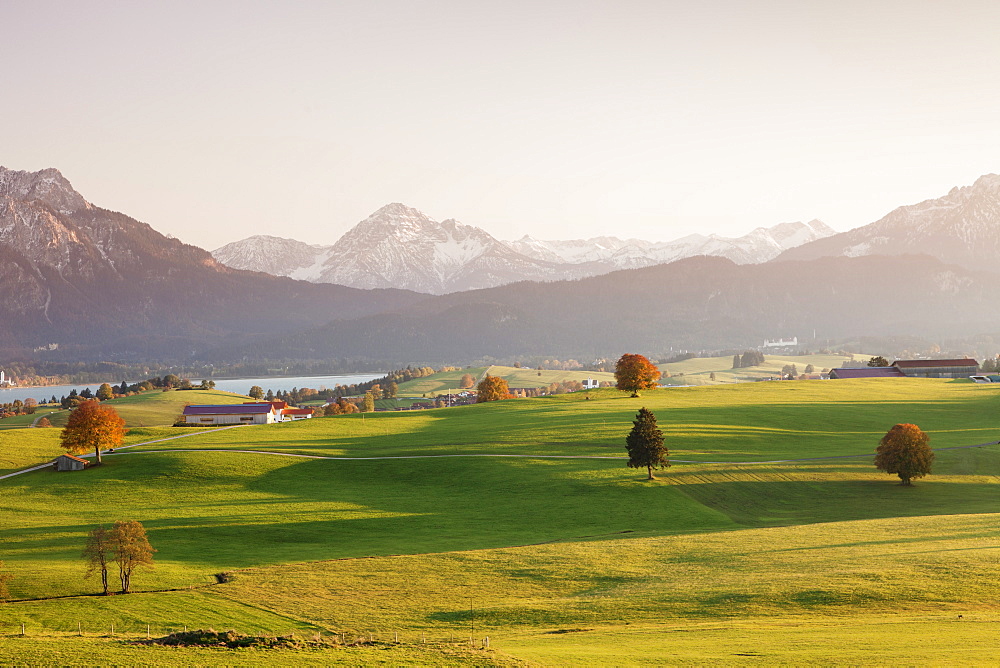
450	381
772	537
699	370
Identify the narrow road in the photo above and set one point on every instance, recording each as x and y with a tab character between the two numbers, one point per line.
124	447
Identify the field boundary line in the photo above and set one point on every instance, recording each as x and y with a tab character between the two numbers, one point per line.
519	456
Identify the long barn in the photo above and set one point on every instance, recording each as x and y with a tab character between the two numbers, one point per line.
256	413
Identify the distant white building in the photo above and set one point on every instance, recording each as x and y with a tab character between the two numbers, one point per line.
782	343
4	381
590	384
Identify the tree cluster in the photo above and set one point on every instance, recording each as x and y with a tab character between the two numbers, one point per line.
789	372
125	544
878	360
634	372
18	407
990	365
748	359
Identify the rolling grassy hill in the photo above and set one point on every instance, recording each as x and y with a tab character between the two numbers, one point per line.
697	370
729	546
449	381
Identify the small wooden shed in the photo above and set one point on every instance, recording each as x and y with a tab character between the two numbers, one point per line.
70	463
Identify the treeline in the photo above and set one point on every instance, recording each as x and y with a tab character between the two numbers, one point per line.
380	388
749	358
18	407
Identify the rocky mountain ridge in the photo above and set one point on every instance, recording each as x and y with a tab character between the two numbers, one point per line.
398	246
100	283
962	228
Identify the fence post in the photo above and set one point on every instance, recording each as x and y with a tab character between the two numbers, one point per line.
112	628
396	636
79	628
147	632
22	628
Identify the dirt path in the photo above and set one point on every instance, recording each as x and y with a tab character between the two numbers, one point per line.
124	447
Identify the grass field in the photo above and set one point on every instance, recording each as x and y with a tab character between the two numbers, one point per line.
449	381
698	370
559	561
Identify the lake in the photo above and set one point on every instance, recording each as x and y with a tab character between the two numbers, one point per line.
238	385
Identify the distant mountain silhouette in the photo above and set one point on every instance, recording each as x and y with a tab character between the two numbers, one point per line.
699	303
101	284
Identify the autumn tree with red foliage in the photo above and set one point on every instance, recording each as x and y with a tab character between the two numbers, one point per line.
93	426
904	450
634	373
492	388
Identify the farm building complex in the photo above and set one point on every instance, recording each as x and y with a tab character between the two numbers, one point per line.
956	368
262	412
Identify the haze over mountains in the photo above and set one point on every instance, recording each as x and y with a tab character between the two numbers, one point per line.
97	282
398	246
962	227
102	285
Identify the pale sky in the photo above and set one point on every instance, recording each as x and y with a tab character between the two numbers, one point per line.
213	121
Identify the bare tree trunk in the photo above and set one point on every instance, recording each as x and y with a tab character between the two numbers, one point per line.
650	469
104	579
97	454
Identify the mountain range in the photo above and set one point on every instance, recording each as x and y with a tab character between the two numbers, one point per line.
398	246
97	282
962	227
102	285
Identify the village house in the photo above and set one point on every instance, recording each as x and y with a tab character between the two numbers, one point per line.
292	414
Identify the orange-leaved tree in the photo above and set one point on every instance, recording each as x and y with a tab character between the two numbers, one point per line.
904	450
492	388
92	425
635	372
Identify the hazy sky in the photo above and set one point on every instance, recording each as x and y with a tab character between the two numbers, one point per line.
213	121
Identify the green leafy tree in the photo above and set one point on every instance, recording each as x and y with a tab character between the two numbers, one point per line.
104	392
131	550
492	388
711	376
810	368
904	450
645	443
98	553
736	361
368	405
392	390
878	360
256	392
93	426
634	373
